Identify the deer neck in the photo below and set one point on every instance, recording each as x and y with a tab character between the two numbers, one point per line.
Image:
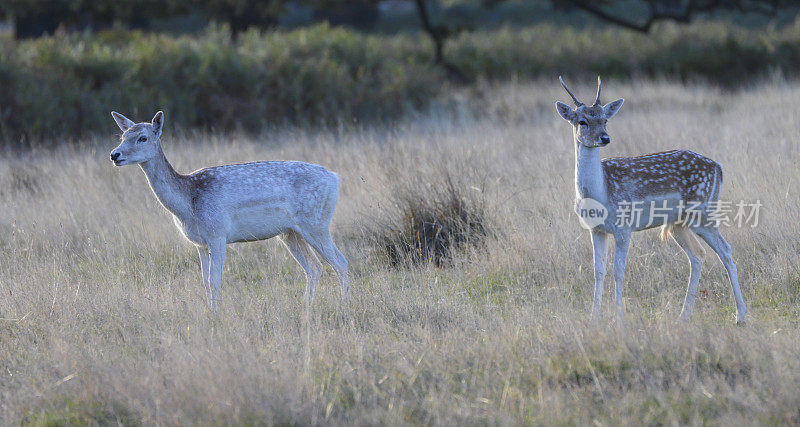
589	176
170	187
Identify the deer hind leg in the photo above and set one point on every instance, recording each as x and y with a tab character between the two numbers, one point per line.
600	250
712	236
320	239
684	237
622	241
304	256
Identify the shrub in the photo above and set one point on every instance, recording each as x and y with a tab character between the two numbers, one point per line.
63	87
431	223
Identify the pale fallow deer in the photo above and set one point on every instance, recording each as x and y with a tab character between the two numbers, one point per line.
668	181
240	203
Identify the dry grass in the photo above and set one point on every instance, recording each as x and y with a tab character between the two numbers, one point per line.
104	320
429	219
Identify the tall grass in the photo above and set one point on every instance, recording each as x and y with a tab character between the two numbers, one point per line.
61	88
429	219
103	319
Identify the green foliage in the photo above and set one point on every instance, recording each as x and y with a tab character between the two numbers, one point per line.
63	87
81	412
32	18
715	52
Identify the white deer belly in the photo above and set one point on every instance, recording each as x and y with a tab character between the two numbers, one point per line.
257	223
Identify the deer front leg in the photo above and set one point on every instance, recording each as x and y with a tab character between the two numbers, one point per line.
600	250
217	258
205	265
622	241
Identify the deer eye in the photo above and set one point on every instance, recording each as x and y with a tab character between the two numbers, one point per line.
583	122
142	138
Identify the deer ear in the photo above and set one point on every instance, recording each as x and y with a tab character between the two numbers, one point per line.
123	122
612	107
565	111
158	123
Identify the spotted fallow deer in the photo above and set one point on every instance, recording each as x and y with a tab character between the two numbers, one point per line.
240	203
663	184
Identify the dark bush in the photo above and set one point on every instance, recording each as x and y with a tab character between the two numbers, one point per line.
62	88
431	224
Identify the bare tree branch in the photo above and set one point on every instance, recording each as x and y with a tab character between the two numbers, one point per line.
434	33
439	34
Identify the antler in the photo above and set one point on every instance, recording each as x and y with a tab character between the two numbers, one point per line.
577	103
599	86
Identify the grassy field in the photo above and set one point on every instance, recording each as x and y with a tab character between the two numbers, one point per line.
103	318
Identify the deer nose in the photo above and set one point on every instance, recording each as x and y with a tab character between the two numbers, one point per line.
605	139
114	156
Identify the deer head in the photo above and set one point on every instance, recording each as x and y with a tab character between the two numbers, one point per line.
589	122
140	141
